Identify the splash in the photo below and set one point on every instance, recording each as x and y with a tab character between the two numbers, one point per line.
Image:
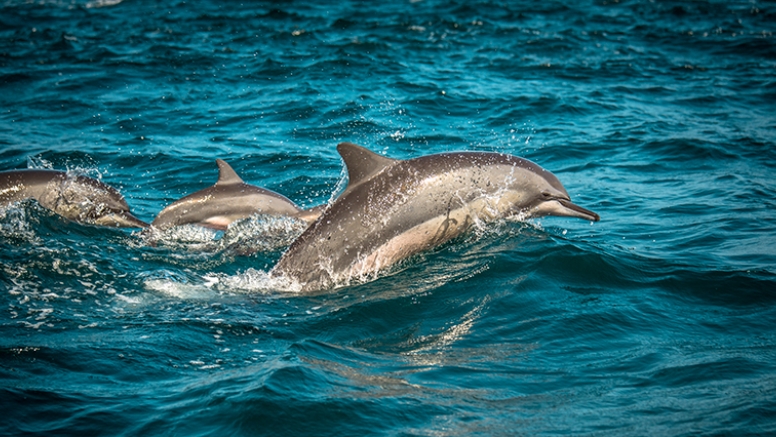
252	281
16	225
84	167
179	289
259	233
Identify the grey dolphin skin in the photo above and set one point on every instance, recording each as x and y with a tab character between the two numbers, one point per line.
392	209
78	198
229	200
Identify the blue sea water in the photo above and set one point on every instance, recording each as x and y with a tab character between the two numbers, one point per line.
658	320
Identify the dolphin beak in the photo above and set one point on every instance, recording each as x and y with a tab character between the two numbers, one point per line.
123	220
572	210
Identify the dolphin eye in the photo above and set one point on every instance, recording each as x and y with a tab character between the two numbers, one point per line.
546	195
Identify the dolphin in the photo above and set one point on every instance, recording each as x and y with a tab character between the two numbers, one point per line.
392	209
78	198
229	200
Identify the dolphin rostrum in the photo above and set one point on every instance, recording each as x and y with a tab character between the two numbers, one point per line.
78	198
392	209
229	200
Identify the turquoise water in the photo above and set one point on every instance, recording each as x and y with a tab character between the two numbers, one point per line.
658	320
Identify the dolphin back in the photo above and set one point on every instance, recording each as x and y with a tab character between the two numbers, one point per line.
230	199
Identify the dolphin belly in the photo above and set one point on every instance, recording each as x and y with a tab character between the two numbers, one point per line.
420	238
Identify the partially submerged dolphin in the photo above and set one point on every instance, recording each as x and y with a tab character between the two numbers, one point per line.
229	200
392	209
78	198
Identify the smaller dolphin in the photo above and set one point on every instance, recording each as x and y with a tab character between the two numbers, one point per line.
393	209
78	198
229	200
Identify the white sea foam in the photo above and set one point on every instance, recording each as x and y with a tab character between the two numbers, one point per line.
252	281
258	233
102	3
178	289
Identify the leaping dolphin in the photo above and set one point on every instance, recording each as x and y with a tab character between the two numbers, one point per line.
78	198
229	200
392	209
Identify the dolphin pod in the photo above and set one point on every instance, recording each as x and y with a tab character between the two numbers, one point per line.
78	198
229	200
392	209
88	201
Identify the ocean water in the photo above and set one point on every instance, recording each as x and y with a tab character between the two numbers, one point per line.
658	320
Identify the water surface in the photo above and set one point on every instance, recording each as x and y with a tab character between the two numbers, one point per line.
658	320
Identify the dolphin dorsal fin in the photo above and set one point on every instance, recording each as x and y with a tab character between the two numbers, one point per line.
226	174
361	163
